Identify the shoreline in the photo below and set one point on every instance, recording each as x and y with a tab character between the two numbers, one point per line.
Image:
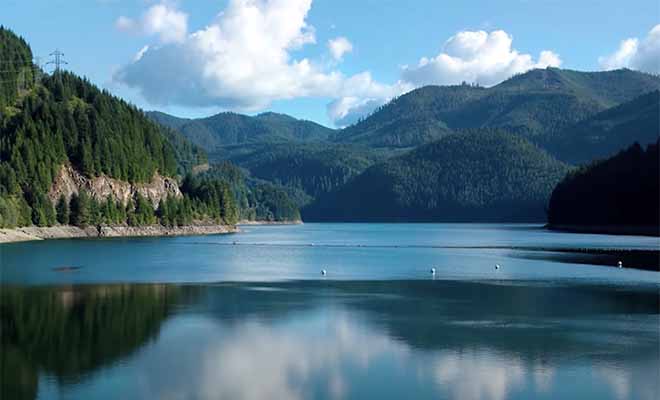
626	230
256	223
31	233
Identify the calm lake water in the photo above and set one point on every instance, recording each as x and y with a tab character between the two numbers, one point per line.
248	316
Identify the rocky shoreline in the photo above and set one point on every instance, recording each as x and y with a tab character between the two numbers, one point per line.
67	232
245	222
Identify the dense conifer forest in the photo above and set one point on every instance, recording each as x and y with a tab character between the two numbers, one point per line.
623	190
573	116
61	119
429	154
475	175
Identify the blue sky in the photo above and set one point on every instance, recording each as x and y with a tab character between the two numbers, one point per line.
274	55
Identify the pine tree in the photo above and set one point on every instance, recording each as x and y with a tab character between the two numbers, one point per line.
63	211
163	213
79	209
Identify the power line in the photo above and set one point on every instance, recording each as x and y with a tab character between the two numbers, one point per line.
58	61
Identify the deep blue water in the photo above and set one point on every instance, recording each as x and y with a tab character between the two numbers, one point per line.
249	316
346	251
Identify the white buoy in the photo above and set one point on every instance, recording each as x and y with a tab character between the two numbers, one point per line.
497	266
323	272
620	264
432	271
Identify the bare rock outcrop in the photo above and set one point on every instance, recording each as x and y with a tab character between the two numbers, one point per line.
69	181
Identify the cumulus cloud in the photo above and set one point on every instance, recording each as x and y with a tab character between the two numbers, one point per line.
243	60
163	20
476	57
643	55
339	46
348	109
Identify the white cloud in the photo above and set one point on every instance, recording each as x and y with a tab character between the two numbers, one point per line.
339	46
163	20
244	60
348	109
473	374
476	57
140	53
643	55
125	24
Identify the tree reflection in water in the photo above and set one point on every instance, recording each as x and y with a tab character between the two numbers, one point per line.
70	331
334	339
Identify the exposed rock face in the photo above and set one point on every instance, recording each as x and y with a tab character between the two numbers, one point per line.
69	181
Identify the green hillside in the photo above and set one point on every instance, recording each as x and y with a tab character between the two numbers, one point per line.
473	176
257	200
16	72
415	118
623	190
537	105
62	119
316	169
610	131
226	129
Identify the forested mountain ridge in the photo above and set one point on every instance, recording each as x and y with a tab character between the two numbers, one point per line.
621	191
314	168
610	131
575	116
470	176
414	118
227	128
63	122
536	104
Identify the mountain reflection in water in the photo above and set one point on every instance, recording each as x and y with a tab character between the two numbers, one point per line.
331	339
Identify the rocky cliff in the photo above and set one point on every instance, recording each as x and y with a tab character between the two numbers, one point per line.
69	181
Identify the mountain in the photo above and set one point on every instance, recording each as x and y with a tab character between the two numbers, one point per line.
71	153
314	168
101	160
536	105
570	115
472	176
226	129
257	200
621	191
609	131
412	119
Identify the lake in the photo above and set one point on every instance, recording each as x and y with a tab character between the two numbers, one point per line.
248	315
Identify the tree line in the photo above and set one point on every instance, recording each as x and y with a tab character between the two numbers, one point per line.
622	190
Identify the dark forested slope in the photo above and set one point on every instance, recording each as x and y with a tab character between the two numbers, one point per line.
537	105
610	131
623	190
473	176
412	119
61	120
316	169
